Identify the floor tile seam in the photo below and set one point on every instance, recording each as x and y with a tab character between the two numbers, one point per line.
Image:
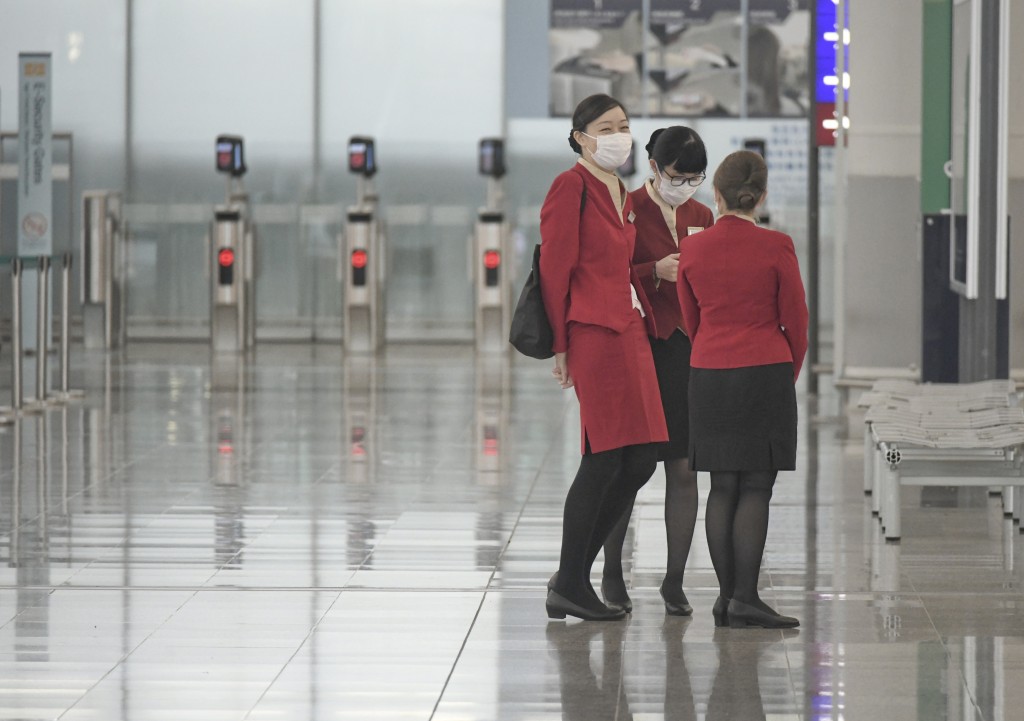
555	439
80	492
325	476
518	588
14	618
263	589
963	679
244	547
277	518
28	520
621	697
786	645
789	643
135	532
458	656
291	658
467	435
948	652
126	656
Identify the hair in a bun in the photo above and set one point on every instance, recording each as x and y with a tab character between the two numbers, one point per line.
741	180
680	147
654	139
746	200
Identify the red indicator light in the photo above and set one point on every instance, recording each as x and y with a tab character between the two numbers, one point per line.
358	258
226	257
492	259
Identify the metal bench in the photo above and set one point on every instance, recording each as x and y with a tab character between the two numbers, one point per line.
941	435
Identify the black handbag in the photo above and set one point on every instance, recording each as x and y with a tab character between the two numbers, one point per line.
531	333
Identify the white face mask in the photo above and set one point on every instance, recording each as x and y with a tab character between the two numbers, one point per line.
674	194
612	150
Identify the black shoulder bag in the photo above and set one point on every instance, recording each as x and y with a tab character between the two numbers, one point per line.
531	333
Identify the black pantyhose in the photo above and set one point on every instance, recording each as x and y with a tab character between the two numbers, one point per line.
680	517
736	520
602	490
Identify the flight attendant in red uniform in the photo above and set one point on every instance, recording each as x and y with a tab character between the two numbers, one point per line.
744	309
666	215
601	320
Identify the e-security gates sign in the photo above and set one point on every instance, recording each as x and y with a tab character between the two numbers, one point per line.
35	141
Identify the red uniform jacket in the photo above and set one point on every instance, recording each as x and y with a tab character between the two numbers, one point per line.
653	242
585	268
742	297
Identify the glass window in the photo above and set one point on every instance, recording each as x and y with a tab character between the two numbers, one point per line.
398	71
200	69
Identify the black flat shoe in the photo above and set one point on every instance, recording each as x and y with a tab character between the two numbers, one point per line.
721	612
616	598
676	608
743	615
559	607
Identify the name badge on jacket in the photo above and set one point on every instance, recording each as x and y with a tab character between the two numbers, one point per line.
691	229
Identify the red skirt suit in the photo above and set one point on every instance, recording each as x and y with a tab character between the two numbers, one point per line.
585	275
671	348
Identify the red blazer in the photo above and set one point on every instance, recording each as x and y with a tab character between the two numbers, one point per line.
585	268
654	242
742	297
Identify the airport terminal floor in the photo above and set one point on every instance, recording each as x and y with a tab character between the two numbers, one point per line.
309	536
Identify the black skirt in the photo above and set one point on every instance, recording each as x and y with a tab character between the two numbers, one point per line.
672	364
743	419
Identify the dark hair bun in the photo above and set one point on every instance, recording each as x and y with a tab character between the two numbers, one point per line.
742	179
654	139
573	144
680	147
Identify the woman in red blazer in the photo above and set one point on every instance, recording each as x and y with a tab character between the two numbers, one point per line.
601	319
666	215
743	307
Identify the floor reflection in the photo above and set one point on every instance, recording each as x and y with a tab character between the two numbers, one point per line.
297	534
679	701
588	694
736	692
738	674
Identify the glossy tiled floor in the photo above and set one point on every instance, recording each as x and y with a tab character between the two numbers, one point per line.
310	538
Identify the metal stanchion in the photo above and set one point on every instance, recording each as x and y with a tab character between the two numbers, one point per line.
42	336
17	354
65	464
15	542
43	479
65	393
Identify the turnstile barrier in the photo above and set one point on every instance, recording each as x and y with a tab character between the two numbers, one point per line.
104	300
491	286
488	254
362	251
232	301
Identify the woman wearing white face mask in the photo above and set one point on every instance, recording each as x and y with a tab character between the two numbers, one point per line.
665	215
601	320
